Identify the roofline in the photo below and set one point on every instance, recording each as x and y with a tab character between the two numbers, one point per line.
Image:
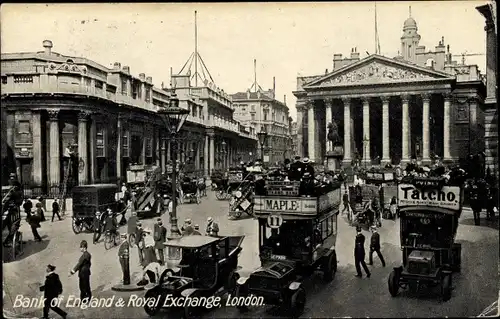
372	57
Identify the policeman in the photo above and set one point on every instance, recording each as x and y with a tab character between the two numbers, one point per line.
476	202
83	268
160	237
359	254
124	257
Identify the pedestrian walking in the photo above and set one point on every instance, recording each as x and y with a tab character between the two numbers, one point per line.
359	254
55	210
27	206
34	219
345	201
83	268
212	227
149	248
40	210
139	241
52	288
375	246
160	237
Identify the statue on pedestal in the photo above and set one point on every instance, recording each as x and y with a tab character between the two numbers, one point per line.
333	136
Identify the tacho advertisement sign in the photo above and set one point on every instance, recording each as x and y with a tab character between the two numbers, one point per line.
448	197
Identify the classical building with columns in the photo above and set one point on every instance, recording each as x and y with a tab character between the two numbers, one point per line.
420	104
51	101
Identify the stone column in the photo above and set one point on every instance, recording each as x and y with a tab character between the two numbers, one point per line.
157	146
197	155
347	131
366	132
206	168
426	145
405	158
54	154
91	163
386	141
300	129
446	127
119	146
169	152
163	144
212	153
37	151
311	130
82	148
328	116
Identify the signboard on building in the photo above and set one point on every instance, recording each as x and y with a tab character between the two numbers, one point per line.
448	197
23	152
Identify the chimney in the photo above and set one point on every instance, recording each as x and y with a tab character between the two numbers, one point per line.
248	94
126	69
274	87
337	57
284	99
149	80
354	54
142	76
47	45
326	71
117	66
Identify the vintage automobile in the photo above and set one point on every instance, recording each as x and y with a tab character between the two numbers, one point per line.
208	267
297	236
12	238
89	203
360	197
191	190
429	214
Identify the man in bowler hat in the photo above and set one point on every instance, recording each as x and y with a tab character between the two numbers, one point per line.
83	268
51	290
359	254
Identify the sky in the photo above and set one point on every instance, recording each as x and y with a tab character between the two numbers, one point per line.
286	39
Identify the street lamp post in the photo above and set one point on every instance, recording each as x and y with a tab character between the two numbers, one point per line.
262	135
173	117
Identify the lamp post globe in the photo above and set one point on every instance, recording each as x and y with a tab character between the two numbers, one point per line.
173	118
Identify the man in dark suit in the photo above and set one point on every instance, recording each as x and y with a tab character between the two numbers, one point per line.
197	230
375	246
187	229
359	254
160	237
307	167
55	210
295	172
83	268
139	237
51	290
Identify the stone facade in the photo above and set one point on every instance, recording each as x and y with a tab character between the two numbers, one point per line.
52	102
394	109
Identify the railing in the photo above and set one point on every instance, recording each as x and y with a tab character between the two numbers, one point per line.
31	190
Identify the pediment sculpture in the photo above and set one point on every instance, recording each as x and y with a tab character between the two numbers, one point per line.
69	66
376	72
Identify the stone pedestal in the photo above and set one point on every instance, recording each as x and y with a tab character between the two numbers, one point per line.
334	158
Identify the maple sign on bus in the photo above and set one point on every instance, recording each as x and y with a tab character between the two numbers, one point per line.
298	206
448	197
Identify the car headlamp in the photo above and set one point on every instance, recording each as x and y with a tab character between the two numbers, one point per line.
238	194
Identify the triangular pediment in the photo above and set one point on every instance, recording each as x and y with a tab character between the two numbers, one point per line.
377	69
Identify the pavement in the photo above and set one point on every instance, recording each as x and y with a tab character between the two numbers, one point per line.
476	287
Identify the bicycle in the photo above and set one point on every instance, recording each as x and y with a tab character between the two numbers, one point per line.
111	239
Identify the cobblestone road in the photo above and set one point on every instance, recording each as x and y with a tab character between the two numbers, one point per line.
476	286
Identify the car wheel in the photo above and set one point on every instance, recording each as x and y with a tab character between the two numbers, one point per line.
446	287
77	225
152	294
297	302
393	283
330	267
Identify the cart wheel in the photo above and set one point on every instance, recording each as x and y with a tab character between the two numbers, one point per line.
297	303
330	267
393	283
446	287
153	294
237	213
77	225
219	194
108	241
131	240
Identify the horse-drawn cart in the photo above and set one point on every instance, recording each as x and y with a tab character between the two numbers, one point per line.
89	203
12	238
